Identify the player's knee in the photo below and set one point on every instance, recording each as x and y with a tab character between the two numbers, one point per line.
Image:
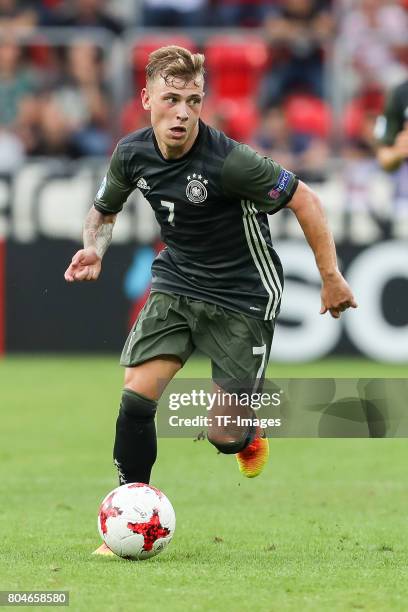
136	406
229	444
142	385
151	377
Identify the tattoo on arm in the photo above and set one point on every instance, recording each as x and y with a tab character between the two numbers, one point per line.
98	230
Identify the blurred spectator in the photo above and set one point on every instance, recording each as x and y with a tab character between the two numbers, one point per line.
18	86
240	13
74	116
373	33
274	137
297	30
175	13
87	14
16	82
360	168
127	11
11	152
283	138
17	13
45	10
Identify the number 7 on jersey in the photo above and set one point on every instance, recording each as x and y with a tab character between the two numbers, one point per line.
170	206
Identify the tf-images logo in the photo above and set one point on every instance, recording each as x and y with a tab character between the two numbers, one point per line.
196	190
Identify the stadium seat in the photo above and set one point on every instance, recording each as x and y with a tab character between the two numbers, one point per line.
235	66
144	46
239	119
367	103
41	54
307	114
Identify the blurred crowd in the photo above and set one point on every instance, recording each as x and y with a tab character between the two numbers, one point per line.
270	83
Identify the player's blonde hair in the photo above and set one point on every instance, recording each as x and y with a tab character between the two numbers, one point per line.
174	62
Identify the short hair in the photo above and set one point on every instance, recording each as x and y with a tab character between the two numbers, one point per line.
174	62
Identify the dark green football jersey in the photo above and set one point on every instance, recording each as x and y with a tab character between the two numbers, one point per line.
395	115
211	205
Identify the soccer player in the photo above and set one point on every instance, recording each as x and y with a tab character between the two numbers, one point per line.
218	283
391	131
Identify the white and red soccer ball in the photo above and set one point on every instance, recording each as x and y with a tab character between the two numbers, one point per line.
136	521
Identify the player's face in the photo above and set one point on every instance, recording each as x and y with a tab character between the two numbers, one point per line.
175	110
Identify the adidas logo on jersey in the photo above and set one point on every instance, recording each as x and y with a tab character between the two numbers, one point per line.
142	184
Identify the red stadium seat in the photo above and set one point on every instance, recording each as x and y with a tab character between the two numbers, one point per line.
41	54
239	119
144	46
242	119
235	66
368	103
307	114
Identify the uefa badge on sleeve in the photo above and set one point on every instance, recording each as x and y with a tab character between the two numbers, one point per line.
281	185
196	190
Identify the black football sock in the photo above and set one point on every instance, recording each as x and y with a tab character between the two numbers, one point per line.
135	447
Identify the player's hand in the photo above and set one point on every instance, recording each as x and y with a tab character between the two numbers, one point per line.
401	142
85	266
336	296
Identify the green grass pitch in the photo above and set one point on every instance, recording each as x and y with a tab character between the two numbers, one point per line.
323	528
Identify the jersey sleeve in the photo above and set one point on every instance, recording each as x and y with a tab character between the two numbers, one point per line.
115	187
390	123
246	175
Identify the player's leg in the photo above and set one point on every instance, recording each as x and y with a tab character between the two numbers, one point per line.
230	431
157	347
239	348
135	448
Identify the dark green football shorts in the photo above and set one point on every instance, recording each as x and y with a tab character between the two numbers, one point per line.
170	324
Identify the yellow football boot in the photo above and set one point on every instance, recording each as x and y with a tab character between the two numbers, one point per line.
254	457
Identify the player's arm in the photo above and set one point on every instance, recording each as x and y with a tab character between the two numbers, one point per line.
390	157
246	174
391	135
336	295
86	264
